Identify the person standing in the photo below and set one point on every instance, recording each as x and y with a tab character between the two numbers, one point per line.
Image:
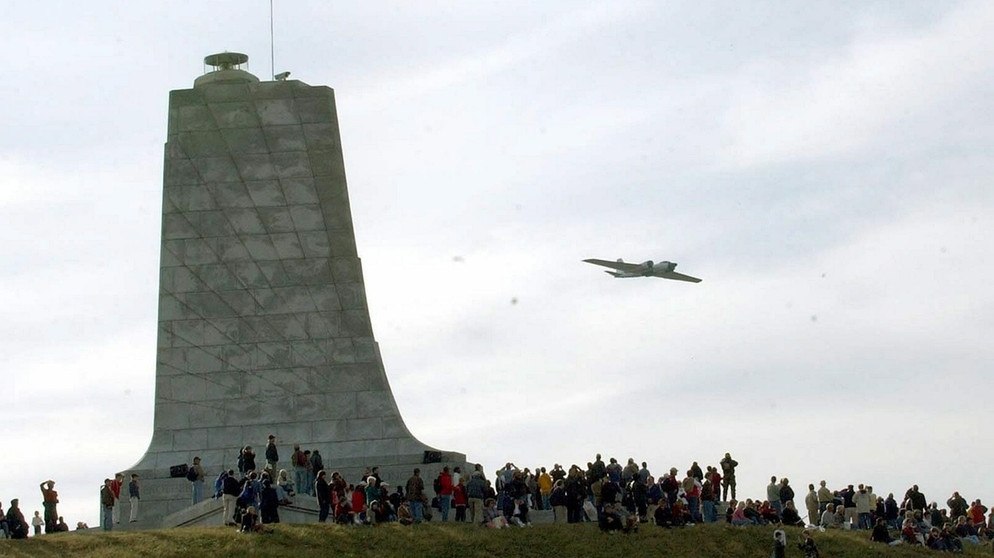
825	497
107	505
246	461
475	492
728	466
445	492
50	500
299	462
272	454
134	496
316	463
811	503
198	481
230	489
323	492
311	473
773	495
415	489
957	506
115	489
37	522
544	487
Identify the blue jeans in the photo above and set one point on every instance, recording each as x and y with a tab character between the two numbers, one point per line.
710	512
108	516
693	505
417	510
445	502
865	521
778	507
198	491
300	480
545	502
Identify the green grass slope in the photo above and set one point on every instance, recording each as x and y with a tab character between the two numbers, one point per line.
456	541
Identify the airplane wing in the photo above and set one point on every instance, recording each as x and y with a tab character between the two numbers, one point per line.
620	266
678	277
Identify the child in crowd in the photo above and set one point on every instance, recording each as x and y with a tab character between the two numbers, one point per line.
779	544
807	545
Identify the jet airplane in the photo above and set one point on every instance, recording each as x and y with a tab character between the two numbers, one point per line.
647	268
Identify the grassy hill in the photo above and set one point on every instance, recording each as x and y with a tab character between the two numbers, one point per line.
456	541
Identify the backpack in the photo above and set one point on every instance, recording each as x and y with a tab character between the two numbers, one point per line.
670	484
191	474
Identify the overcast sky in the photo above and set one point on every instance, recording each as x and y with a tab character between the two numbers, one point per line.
825	167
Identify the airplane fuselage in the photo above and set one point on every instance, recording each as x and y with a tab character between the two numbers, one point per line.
648	269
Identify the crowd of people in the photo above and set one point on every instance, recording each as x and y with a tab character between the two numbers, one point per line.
13	524
617	497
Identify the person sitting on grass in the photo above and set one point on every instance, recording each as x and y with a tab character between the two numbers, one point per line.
609	521
953	543
343	512
965	530
663	516
828	520
492	517
910	533
250	522
681	513
880	533
613	520
516	512
767	513
790	517
16	525
752	514
807	544
739	517
404	516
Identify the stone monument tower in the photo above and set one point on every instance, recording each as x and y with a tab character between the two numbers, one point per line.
263	323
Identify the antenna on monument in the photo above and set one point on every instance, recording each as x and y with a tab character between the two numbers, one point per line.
272	43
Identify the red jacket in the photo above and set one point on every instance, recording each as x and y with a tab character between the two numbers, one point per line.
358	500
459	495
445	479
